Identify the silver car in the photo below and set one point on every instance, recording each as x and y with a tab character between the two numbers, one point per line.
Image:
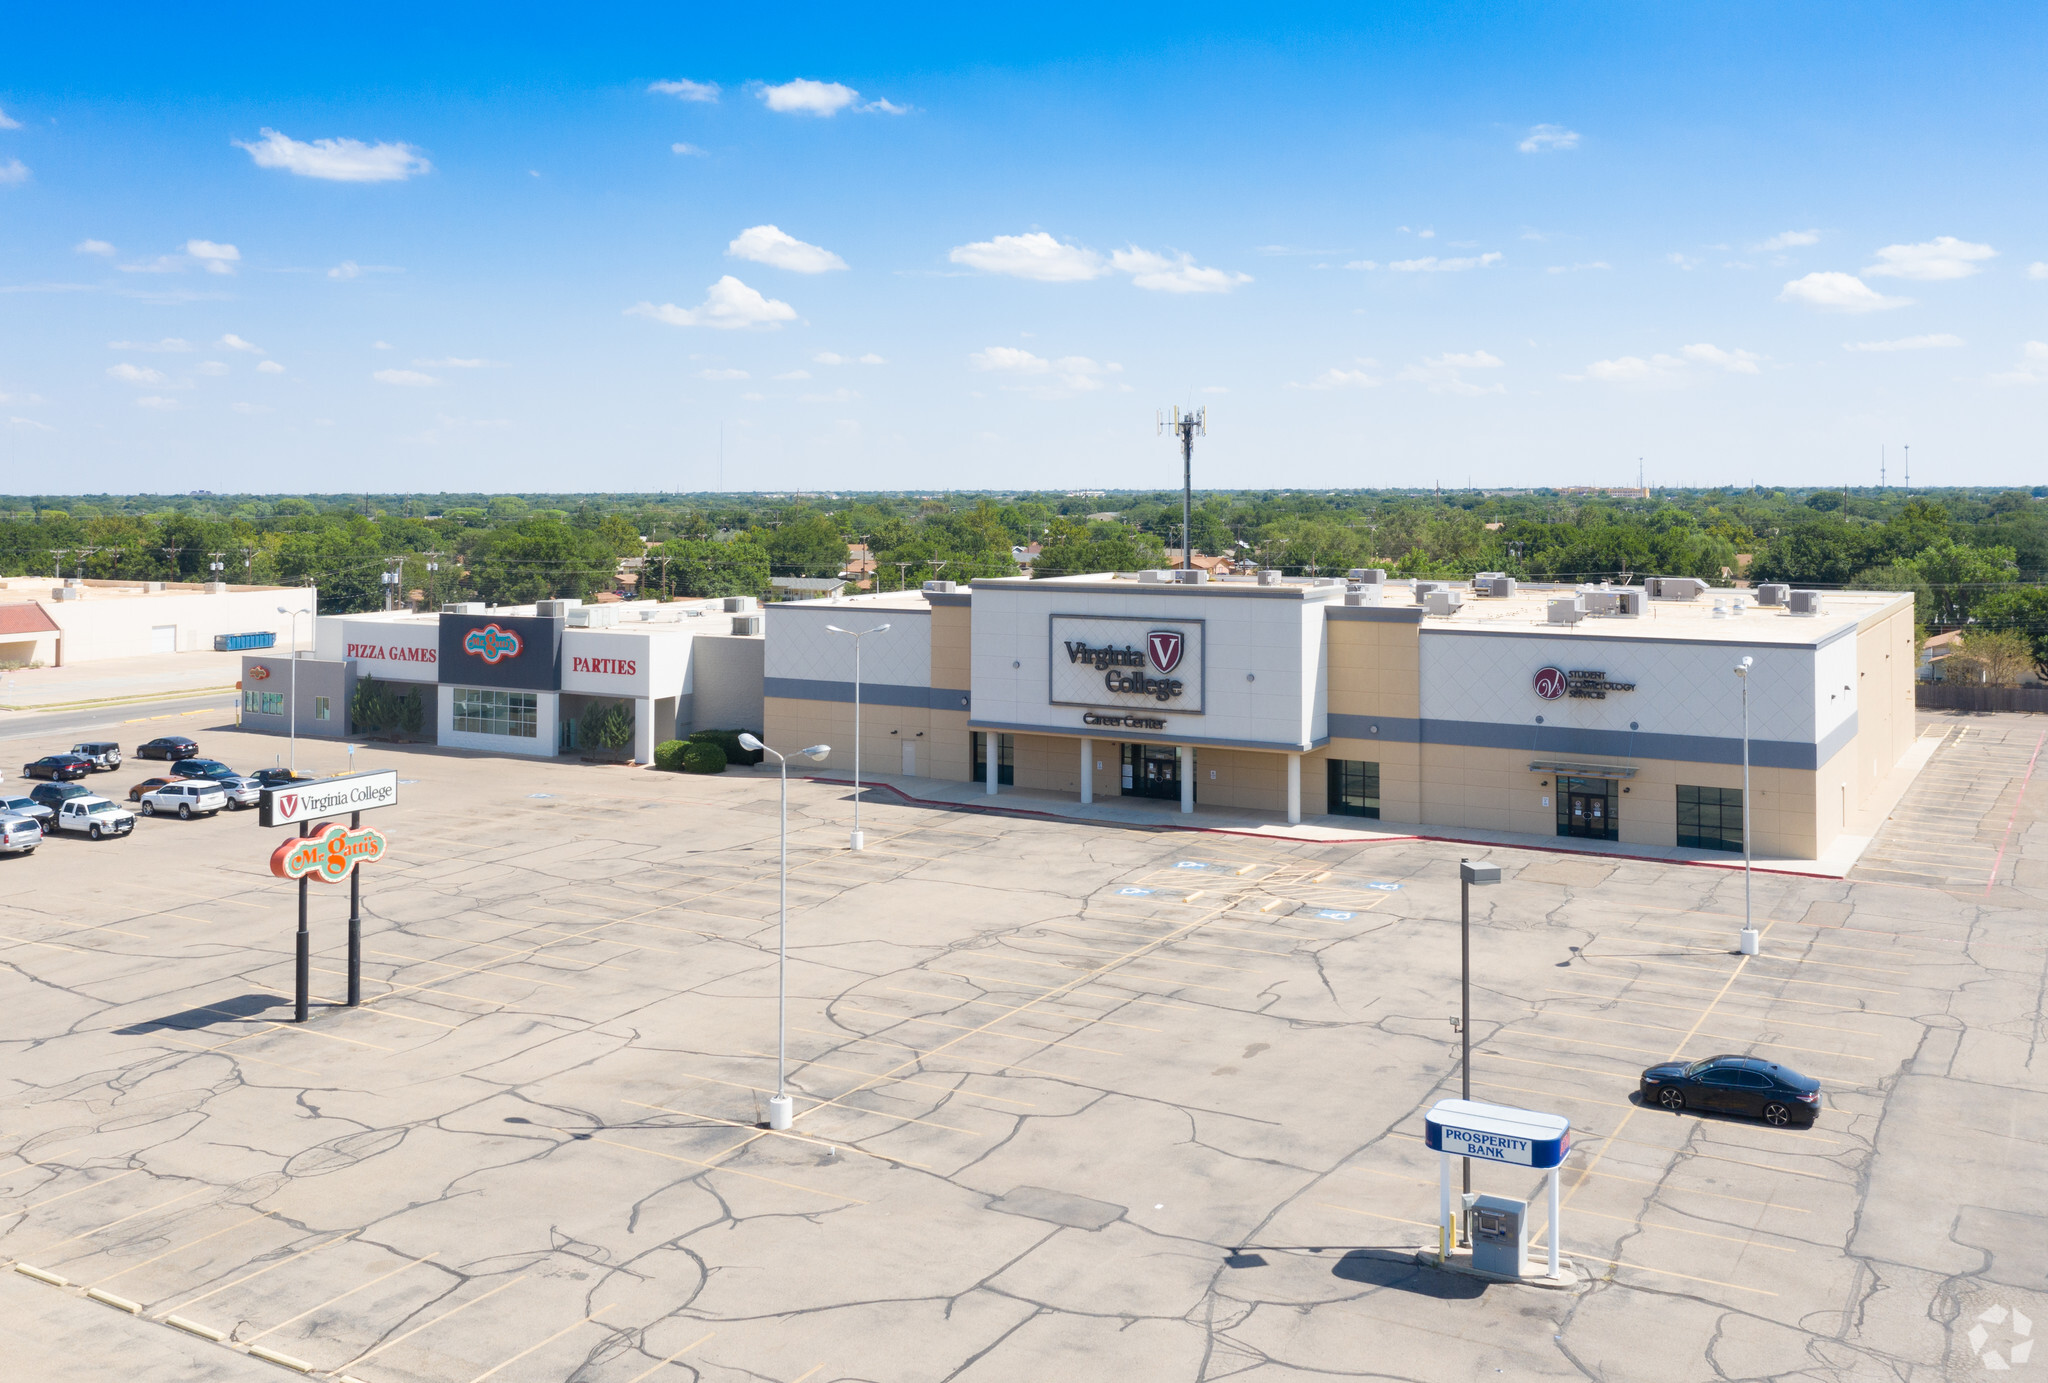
20	835
189	798
241	792
28	807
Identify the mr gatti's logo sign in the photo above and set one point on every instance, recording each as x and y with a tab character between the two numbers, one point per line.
258	672
329	854
393	653
491	644
605	667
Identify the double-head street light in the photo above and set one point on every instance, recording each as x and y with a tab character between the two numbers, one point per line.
1468	875
859	840
292	693
1751	943
780	1111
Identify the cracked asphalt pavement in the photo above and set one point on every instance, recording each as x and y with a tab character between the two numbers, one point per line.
1071	1101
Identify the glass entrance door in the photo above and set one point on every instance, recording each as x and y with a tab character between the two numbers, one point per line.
1151	770
1585	808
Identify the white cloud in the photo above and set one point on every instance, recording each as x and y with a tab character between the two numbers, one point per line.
829	358
1033	255
872	359
93	247
836	396
681	148
1683	261
137	374
269	367
30	423
1940	341
13	171
1154	271
775	247
1067	374
1576	268
169	343
794	374
728	305
409	379
251	409
683	89
457	362
1738	362
235	343
723	374
753	398
1931	261
1785	240
1446	373
337	160
2033	367
1340	379
157	401
347	269
1430	264
1834	291
1542	137
380	345
806	97
2038	269
8	122
218	258
210	367
1363	264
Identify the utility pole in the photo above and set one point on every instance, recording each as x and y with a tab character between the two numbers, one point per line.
1186	426
902	573
171	556
1909	467
392	580
216	566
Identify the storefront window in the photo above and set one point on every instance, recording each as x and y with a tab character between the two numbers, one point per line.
321	708
483	712
263	703
1586	808
1006	758
1710	818
1354	788
1152	770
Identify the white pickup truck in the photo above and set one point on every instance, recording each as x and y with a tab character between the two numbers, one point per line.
94	816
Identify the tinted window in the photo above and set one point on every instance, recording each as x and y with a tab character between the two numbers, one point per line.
1752	1080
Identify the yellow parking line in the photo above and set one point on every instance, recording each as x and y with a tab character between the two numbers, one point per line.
1125	996
1674	1008
671	1359
531	1348
1086	974
87	1234
1661	1272
379	1349
1700	1233
851	1109
361	1286
186	1245
1773	979
992	1003
1665	1027
899	1080
79	1191
1374	1214
194	1301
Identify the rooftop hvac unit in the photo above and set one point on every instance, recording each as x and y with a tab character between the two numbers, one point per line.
66	593
1154	576
1600	602
1501	587
1361	593
1568	609
1443	603
1269	577
746	604
1629	602
1804	602
1372	576
939	587
1192	576
555	609
591	616
463	607
1482	581
1675	587
746	624
1772	593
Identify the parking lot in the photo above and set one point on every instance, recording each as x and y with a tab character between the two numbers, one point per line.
1071	1101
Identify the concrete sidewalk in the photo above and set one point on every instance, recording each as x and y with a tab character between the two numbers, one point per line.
1834	863
119	679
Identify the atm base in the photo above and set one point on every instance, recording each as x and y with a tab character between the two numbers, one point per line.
1460	1261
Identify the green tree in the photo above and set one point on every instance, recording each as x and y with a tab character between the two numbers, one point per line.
701	568
2023	613
1960	575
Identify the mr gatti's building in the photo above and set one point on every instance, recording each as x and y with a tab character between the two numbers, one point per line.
1606	714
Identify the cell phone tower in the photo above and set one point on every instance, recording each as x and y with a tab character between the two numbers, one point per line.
1187	426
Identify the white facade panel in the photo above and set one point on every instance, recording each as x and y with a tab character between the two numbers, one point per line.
391	650
800	646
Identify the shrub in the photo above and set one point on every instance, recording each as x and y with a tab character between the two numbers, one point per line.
729	742
606	725
668	755
703	756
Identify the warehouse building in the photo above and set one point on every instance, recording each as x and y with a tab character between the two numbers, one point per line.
1608	714
64	623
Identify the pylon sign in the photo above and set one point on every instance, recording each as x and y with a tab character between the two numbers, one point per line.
328	854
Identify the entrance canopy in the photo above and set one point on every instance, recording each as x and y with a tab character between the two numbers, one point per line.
1498	1133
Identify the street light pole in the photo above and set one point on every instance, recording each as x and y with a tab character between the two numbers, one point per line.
1750	943
859	841
781	1112
1468	875
292	692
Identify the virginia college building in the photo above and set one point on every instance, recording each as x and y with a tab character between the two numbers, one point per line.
1611	714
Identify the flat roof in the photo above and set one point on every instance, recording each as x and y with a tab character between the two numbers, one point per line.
1740	619
17	590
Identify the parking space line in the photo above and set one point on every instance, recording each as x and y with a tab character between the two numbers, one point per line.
998	954
1124	996
1639	1223
1050	1040
379	1349
234	1056
992	1003
194	1301
77	1191
186	1245
87	1234
1661	1272
903	1080
1645	1003
671	1359
1773	979
1667	987
403	1267
918	1054
548	1341
1374	1214
783	1133
405	960
1665	1027
1140	936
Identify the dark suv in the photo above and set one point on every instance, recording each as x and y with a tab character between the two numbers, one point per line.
1748	1085
58	767
55	795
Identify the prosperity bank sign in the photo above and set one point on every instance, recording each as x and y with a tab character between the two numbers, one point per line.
1132	665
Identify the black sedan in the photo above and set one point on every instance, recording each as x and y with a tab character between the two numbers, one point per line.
167	747
58	767
202	768
278	777
1748	1085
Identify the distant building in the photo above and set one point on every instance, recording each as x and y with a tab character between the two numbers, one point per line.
60	623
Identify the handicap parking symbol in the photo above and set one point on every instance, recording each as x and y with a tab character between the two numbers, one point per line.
1135	892
1193	864
1384	887
1330	915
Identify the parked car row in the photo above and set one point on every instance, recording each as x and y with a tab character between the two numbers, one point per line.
189	787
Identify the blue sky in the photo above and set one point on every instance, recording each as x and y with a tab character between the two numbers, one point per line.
500	248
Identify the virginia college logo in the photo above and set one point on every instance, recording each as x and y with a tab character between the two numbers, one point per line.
288	803
492	644
1164	645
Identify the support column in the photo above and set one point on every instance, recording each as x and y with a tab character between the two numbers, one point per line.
643	729
1555	1235
992	747
1443	1207
1294	789
1187	776
1087	772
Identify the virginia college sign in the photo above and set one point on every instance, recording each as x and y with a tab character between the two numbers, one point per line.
353	792
1127	663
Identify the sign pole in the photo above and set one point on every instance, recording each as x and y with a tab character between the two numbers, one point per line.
1555	1234
305	942
355	924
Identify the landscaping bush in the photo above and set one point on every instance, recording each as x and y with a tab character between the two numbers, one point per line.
703	756
668	755
606	725
728	741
